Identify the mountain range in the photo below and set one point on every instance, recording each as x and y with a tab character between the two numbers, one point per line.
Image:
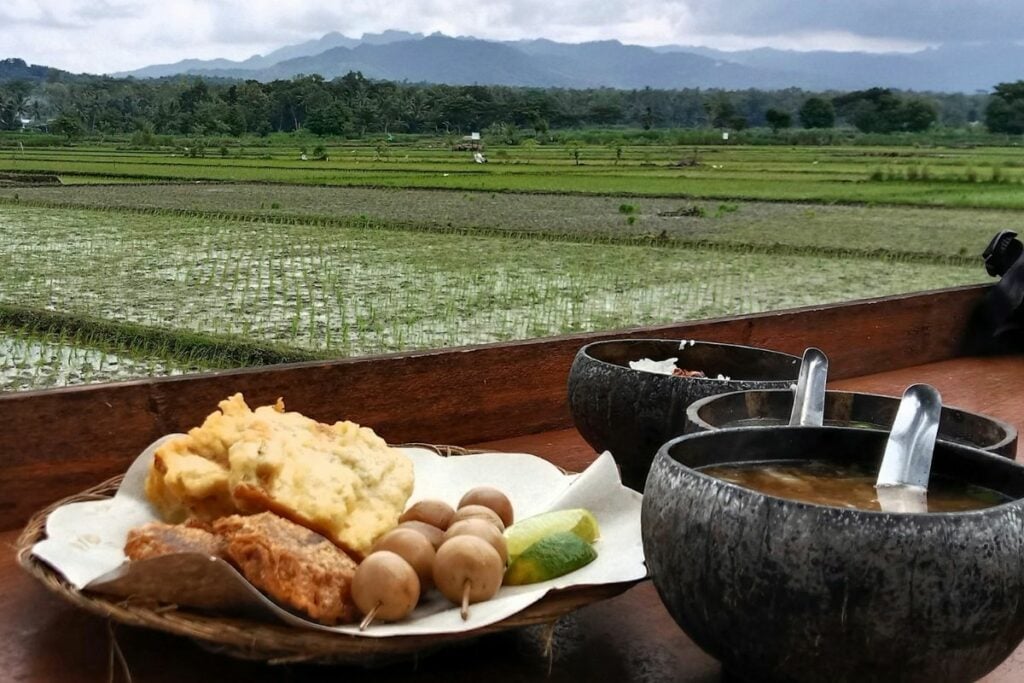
414	57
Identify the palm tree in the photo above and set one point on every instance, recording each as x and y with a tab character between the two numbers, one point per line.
12	108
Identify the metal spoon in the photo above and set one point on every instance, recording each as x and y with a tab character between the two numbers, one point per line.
902	483
809	399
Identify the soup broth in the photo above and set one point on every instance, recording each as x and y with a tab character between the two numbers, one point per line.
858	424
845	485
778	421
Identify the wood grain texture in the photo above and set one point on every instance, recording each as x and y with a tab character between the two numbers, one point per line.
60	441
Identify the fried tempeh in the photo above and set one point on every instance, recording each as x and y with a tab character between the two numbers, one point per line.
296	567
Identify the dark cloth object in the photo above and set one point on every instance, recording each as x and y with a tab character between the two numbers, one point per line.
997	325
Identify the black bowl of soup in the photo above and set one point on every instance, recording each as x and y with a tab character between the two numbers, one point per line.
772	407
766	548
633	412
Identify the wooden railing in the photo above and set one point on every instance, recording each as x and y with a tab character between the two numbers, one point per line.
57	442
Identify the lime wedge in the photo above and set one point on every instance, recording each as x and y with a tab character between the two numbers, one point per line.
550	557
525	533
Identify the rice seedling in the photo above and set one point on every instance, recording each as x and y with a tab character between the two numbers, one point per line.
814	228
176	286
37	361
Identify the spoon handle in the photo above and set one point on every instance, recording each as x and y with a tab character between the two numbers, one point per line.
908	452
809	399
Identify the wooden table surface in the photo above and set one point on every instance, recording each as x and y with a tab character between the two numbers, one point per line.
630	637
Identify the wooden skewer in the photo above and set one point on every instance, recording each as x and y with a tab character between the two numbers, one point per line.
465	600
368	619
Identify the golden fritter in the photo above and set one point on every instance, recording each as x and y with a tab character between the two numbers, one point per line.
189	475
341	480
296	567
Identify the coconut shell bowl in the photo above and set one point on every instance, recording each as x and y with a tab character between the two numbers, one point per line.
633	412
846	408
781	590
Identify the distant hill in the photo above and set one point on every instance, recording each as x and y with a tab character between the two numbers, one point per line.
467	61
14	69
948	68
433	59
611	64
402	56
257	62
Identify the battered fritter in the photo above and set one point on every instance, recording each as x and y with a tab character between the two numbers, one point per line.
341	480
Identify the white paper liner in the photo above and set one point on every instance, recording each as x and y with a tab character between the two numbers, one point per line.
85	540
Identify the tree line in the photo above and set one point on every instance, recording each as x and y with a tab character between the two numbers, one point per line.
353	105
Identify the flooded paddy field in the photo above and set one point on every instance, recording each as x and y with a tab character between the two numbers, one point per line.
32	361
344	291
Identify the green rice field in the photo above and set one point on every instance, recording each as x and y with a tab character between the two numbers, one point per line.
989	177
745	225
126	270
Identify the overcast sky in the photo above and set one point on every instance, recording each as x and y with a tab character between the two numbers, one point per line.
112	35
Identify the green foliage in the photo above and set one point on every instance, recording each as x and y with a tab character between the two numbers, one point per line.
720	109
332	118
777	120
575	151
144	136
817	112
13	104
737	123
354	106
627	208
1005	110
68	125
504	132
879	110
647	120
916	114
540	127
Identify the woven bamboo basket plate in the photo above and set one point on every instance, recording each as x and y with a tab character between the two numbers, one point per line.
272	642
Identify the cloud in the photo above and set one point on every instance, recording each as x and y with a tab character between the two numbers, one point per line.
101	9
912	20
21	15
112	35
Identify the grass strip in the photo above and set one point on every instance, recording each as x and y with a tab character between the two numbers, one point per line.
182	346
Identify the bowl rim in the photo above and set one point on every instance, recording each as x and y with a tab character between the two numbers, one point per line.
680	343
664	454
692	410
